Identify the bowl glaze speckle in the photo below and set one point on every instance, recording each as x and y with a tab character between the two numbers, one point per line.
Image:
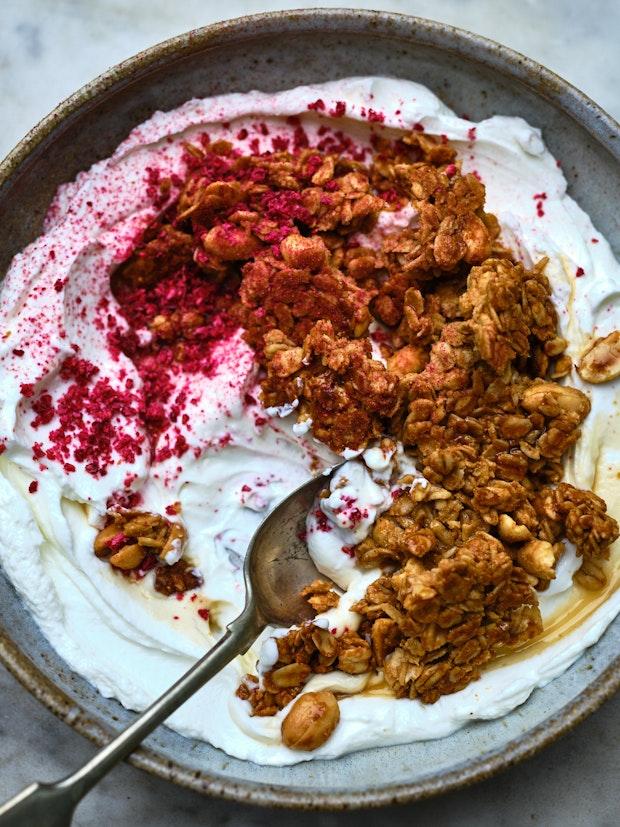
270	52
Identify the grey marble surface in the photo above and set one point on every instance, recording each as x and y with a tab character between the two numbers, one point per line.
48	48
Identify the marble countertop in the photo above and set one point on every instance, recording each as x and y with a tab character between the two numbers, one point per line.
49	49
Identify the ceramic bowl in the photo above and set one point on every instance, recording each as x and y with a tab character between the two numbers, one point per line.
270	52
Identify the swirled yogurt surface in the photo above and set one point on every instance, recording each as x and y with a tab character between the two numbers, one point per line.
239	460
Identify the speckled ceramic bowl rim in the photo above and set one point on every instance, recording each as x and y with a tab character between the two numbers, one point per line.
426	32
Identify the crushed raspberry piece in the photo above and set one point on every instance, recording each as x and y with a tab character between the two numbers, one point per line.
418	127
280	143
375	117
27	389
356	515
313	164
321	521
317	106
79	369
33	487
86	413
118	541
152	180
44	410
17	351
338	110
579	272
300	139
204	614
148	564
59	285
450	170
349	551
124	499
471	134
184	294
593	240
284	204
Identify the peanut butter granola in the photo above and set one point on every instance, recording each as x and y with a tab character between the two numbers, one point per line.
467	380
438	338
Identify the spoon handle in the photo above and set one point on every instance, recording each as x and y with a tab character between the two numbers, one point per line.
52	805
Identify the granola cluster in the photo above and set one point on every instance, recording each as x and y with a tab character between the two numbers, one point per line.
449	620
136	542
344	390
452	596
301	653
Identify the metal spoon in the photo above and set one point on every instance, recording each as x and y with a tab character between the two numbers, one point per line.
277	566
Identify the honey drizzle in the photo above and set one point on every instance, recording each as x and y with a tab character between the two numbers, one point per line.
583	602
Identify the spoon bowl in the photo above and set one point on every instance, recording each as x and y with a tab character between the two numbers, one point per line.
277	564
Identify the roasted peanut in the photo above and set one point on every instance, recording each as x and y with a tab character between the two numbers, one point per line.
325	642
230	243
555	346
477	240
103	537
128	557
538	557
601	361
591	575
304	253
511	532
550	399
287	361
310	721
142	524
293	674
409	359
275	342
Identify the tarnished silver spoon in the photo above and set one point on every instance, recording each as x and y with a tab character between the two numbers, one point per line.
277	566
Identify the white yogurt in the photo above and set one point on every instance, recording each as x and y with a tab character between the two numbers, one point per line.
131	642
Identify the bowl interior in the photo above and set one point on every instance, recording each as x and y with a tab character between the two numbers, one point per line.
272	52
